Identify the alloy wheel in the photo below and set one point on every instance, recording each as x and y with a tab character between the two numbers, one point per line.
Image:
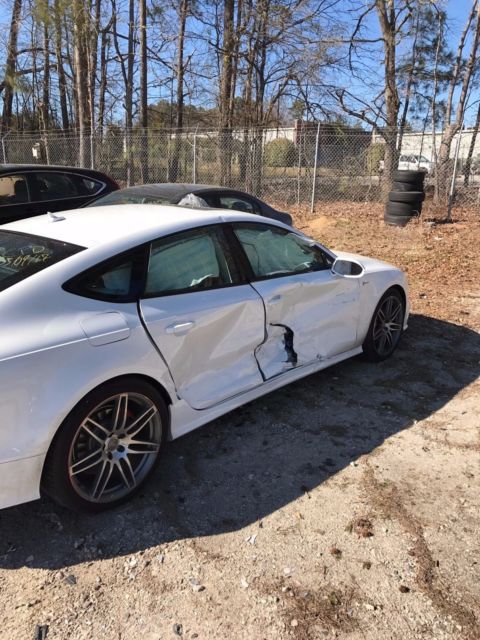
387	328
115	447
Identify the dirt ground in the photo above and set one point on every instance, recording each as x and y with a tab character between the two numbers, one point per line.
346	505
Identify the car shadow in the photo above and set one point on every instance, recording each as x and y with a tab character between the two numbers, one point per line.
248	464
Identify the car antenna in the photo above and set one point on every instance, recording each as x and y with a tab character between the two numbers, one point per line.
54	218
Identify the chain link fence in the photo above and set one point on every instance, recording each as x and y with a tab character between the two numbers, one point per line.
302	166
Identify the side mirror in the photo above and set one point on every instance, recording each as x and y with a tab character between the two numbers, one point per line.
347	268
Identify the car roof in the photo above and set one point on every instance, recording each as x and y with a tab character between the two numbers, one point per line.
124	225
45	167
172	189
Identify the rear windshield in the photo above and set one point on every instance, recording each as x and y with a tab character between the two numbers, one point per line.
119	197
22	255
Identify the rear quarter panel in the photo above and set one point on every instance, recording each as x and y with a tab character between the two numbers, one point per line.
48	363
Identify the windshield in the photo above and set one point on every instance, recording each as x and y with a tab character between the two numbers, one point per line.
119	197
22	255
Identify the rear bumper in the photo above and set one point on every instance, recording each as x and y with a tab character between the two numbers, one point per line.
20	480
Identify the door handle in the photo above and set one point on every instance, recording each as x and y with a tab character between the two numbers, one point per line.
181	328
276	299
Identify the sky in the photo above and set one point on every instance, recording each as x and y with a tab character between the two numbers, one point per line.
456	9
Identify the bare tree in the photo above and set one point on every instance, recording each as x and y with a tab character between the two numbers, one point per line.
62	81
80	76
45	103
225	98
143	90
381	112
8	84
468	162
461	78
180	92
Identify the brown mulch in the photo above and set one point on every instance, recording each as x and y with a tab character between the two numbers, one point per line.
442	261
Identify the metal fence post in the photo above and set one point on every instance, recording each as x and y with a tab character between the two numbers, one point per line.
3	149
168	157
194	170
299	166
454	177
315	161
92	159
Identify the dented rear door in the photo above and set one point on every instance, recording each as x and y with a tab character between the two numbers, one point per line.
204	320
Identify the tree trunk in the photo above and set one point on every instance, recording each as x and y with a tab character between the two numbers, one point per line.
80	77
143	91
387	18
10	67
225	98
45	105
103	82
468	163
93	62
434	104
179	107
62	82
46	73
129	91
444	164
408	88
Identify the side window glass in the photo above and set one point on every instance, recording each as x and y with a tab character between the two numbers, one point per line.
87	186
111	281
55	186
274	252
237	204
209	198
13	190
192	261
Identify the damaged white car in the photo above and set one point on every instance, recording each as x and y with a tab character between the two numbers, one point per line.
122	328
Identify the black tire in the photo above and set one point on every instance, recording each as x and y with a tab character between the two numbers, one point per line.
373	340
115	454
397	221
408	176
407	186
406	196
403	208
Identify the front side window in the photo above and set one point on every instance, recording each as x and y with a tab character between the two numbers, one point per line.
191	261
55	186
22	255
13	190
274	252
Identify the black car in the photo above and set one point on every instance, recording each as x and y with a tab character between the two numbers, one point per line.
193	195
30	190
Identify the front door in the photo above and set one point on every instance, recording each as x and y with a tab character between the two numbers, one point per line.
205	322
311	313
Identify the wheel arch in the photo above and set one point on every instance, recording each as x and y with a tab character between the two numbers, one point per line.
401	291
138	376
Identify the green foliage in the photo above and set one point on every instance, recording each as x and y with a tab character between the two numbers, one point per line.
280	153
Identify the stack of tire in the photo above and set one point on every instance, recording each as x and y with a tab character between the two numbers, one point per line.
405	199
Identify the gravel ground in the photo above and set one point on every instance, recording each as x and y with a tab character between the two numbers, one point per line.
343	506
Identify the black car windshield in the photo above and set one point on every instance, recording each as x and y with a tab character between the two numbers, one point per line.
119	197
22	255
